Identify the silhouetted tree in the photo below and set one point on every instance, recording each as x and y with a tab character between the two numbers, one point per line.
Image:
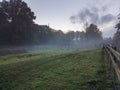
57	37
69	37
20	18
116	38
19	12
80	35
4	23
93	36
118	25
93	33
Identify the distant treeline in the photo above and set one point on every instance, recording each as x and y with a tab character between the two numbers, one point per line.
17	27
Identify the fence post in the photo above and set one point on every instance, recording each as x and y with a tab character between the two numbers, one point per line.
113	61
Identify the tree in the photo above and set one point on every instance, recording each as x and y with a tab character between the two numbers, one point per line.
93	36
3	17
58	37
4	24
93	33
116	38
20	19
70	36
118	25
18	11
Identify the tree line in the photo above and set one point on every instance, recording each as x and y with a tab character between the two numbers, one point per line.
17	27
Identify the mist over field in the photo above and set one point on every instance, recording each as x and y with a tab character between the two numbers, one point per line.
59	45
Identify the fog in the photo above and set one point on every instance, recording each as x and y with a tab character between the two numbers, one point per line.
76	45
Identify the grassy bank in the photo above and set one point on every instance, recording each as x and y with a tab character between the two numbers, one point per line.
54	70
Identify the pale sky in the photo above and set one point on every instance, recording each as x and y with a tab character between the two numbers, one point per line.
58	13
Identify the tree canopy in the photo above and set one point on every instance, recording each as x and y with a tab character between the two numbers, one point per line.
93	33
16	18
116	38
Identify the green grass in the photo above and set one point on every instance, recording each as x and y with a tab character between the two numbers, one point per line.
54	70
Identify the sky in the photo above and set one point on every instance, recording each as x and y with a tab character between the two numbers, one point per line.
67	15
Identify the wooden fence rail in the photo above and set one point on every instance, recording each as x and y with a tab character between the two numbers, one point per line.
113	59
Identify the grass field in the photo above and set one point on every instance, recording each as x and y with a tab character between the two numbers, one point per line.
54	70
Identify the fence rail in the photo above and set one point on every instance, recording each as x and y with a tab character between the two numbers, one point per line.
113	60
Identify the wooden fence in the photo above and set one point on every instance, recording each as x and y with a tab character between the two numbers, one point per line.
113	60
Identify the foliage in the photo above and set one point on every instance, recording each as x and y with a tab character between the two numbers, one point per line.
15	18
93	33
116	38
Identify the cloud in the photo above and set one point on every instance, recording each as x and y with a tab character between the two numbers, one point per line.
86	15
104	8
93	15
107	18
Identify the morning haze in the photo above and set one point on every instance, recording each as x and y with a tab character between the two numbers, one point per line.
59	45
